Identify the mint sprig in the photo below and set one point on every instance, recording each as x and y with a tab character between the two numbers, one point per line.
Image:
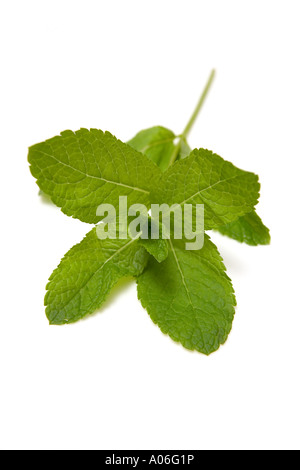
186	293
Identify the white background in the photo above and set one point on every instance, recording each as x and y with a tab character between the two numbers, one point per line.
114	380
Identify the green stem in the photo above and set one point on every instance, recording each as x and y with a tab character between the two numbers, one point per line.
187	130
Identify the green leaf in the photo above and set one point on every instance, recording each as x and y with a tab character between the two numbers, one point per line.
205	178
82	170
145	229
157	248
190	297
86	275
157	143
247	229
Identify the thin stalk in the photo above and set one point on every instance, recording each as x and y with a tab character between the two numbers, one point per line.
188	128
